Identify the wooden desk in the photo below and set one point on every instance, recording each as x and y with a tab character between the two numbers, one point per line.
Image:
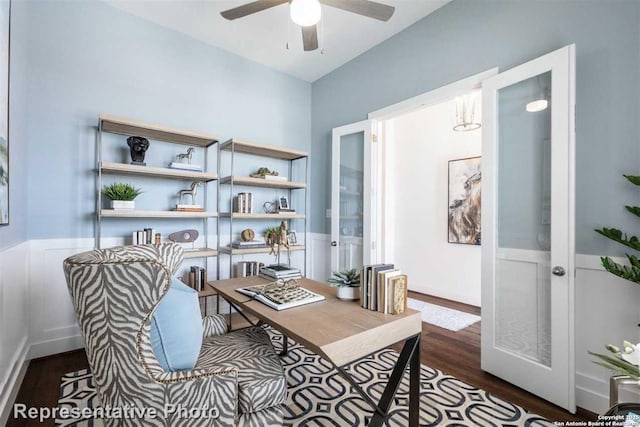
342	332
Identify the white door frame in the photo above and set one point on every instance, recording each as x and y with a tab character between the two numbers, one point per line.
544	381
369	191
386	223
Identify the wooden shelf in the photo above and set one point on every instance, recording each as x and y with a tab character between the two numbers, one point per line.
200	253
249	251
261	182
125	169
133	213
237	215
262	150
129	127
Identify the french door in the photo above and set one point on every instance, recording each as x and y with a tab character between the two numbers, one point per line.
528	226
353	196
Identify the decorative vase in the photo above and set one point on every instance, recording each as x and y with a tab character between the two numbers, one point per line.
349	293
123	204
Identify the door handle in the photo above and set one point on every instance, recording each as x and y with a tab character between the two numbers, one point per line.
334	243
558	271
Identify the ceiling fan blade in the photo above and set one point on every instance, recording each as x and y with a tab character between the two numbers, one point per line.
310	37
367	8
250	8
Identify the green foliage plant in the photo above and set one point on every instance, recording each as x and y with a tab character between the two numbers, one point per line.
345	278
121	191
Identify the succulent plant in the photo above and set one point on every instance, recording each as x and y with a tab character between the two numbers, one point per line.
345	278
121	191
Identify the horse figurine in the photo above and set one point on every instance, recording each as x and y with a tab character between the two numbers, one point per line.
193	191
186	155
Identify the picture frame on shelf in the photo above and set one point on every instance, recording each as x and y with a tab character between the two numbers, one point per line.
465	201
283	203
292	238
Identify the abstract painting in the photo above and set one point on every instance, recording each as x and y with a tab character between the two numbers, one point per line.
5	6
465	196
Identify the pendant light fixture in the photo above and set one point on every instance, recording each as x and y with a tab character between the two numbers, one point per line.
542	99
305	12
465	114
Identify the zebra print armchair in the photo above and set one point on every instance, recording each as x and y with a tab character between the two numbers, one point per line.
238	379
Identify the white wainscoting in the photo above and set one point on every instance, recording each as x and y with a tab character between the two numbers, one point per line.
14	318
606	307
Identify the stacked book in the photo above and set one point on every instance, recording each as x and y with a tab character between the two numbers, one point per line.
251	244
384	289
197	277
287	211
147	236
185	166
248	268
274	177
189	208
243	203
280	271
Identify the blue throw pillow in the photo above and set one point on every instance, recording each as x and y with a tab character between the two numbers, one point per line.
176	328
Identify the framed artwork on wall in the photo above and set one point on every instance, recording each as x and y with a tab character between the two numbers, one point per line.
5	8
465	197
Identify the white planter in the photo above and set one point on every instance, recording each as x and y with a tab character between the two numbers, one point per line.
348	293
123	204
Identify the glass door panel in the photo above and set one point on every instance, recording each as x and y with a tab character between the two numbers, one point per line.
351	207
523	271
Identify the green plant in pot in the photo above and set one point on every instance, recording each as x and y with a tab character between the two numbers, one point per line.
625	361
348	284
121	195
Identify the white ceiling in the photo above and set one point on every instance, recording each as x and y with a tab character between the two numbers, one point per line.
263	36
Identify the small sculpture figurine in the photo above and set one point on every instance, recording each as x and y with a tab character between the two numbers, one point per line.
138	147
260	173
193	191
186	155
247	235
184	236
283	241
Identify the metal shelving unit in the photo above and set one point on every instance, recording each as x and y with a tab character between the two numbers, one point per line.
127	127
235	146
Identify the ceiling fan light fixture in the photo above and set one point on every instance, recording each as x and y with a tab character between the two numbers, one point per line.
306	12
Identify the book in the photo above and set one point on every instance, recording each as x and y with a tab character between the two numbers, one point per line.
374	294
398	289
250	244
287	212
185	166
281	297
383	288
189	208
293	276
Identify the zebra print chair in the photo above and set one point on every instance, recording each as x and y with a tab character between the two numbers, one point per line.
238	376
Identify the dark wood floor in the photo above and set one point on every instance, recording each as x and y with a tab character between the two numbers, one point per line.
455	353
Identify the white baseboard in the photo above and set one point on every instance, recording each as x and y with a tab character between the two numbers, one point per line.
12	384
55	346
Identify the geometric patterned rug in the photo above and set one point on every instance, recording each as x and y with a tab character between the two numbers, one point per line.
318	396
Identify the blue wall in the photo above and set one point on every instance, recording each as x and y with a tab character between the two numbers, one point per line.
16	231
87	58
464	38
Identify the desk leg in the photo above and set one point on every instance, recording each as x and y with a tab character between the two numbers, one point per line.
409	357
414	386
285	345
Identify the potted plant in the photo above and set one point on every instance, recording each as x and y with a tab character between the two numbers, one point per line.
348	284
625	361
121	195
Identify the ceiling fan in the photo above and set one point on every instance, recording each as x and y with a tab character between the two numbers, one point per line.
307	13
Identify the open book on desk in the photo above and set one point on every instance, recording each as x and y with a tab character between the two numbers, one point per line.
281	296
